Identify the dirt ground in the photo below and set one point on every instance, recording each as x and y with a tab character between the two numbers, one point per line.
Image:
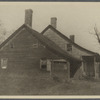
19	84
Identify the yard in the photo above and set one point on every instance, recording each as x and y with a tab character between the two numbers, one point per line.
21	84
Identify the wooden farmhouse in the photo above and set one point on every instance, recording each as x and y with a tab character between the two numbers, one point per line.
90	60
28	51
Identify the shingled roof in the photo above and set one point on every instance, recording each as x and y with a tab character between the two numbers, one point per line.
66	38
48	43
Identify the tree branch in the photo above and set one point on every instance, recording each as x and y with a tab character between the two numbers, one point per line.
97	34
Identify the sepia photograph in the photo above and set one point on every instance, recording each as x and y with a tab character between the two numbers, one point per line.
49	48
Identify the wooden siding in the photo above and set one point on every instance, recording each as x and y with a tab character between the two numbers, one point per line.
23	56
59	70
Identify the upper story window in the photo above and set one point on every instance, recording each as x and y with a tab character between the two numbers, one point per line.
35	43
69	47
41	45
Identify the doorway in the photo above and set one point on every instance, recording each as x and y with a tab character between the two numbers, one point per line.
88	65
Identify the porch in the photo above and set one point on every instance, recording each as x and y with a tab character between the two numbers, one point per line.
91	66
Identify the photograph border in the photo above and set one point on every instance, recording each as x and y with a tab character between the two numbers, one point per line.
50	97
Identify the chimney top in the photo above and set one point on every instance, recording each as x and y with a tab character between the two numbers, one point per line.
54	22
28	17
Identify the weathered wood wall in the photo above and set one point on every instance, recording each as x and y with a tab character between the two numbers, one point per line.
23	56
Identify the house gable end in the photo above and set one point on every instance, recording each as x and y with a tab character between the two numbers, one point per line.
12	36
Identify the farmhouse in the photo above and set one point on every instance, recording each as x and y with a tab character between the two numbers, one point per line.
27	51
90	64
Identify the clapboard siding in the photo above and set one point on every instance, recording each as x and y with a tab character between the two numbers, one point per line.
23	56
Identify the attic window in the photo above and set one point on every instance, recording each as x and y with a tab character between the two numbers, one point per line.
35	45
69	47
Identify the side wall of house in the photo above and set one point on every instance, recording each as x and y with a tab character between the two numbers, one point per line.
23	55
63	44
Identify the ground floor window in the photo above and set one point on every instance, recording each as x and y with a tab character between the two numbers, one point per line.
44	67
4	62
45	64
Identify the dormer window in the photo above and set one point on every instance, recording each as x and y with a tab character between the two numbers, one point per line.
69	47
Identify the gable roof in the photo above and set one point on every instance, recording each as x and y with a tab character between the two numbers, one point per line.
66	38
48	43
11	36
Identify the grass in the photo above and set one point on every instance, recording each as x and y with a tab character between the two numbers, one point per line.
32	84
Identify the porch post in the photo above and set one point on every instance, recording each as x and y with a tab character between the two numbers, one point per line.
82	68
96	69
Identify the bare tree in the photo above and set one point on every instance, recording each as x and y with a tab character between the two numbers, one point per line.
97	33
4	34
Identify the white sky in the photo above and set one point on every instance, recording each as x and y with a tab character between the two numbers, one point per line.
72	18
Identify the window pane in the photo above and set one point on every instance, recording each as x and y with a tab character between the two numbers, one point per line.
4	63
69	47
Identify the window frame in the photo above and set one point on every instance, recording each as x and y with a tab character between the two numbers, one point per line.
69	47
35	45
3	63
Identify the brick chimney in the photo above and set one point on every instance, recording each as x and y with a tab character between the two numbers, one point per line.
72	38
54	22
28	17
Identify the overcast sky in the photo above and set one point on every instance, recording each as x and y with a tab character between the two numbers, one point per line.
72	18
